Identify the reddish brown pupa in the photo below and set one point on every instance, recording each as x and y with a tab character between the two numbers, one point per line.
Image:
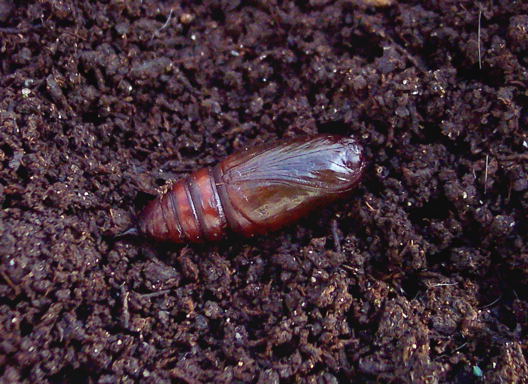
255	191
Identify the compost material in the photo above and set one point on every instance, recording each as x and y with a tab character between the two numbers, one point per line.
419	276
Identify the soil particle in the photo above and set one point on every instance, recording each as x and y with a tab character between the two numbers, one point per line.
418	277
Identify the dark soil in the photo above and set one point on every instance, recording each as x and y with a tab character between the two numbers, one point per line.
426	280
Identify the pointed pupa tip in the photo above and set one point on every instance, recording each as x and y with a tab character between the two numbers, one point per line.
132	231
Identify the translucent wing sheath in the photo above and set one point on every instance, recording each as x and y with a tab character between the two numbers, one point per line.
257	190
273	185
320	162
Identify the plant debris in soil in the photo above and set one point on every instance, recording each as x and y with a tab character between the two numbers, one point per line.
419	277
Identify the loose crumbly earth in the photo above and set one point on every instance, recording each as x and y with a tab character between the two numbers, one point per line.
102	103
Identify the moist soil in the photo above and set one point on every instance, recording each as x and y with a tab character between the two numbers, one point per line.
420	276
